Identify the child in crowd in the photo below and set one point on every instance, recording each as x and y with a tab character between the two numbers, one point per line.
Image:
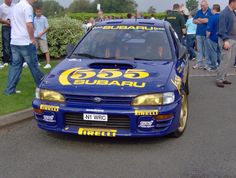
41	27
191	36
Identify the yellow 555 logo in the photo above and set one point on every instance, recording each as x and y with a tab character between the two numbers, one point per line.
82	74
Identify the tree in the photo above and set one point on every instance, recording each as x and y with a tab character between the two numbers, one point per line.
151	10
50	8
80	6
192	5
116	6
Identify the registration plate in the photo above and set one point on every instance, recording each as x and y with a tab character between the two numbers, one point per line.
95	117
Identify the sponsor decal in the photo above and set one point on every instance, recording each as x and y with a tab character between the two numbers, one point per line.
94	110
48	118
179	69
97	132
49	108
177	82
171	18
146	124
80	76
146	112
130	27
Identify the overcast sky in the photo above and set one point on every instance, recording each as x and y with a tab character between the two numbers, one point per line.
160	5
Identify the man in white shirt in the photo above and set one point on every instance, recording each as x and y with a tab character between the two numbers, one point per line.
22	45
5	9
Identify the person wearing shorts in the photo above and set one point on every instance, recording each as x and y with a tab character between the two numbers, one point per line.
41	27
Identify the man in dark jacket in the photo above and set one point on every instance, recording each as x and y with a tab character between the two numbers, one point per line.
176	19
227	42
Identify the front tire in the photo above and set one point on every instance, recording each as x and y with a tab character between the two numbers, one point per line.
183	116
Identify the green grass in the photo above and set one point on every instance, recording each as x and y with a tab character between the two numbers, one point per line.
17	102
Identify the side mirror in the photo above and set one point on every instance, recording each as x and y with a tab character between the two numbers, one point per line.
69	49
182	52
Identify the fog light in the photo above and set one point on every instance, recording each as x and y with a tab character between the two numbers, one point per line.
163	117
38	111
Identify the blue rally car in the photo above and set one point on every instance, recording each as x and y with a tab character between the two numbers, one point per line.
123	78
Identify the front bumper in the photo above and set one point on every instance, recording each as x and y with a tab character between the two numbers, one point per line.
67	119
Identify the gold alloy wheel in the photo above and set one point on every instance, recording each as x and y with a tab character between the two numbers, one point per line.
183	113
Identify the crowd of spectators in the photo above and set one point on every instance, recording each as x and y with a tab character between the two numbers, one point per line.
201	32
40	24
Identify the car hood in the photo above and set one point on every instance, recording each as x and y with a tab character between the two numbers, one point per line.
108	77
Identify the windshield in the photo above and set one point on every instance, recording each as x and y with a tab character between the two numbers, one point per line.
125	42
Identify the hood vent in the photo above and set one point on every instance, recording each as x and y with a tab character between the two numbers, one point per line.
104	65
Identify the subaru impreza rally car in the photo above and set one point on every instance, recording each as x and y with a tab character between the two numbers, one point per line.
123	78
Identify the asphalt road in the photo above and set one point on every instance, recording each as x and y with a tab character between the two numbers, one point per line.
207	149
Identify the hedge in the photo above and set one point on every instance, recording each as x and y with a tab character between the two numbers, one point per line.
63	31
85	16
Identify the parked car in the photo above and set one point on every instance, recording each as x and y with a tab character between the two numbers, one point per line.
124	78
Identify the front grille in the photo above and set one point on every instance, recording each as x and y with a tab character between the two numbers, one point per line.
114	121
93	99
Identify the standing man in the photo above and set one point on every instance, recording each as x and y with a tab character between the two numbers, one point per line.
40	28
176	19
201	19
212	38
22	45
227	42
191	37
100	16
6	31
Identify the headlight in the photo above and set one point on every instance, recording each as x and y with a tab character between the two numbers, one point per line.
49	95
154	99
168	98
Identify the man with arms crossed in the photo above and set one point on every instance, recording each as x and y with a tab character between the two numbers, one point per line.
22	45
201	19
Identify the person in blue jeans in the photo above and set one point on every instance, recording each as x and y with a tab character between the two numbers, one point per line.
22	45
227	43
5	9
201	19
212	38
191	37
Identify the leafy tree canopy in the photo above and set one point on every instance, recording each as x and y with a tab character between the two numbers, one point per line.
192	5
50	8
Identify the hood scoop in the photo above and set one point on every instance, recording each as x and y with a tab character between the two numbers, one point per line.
111	65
